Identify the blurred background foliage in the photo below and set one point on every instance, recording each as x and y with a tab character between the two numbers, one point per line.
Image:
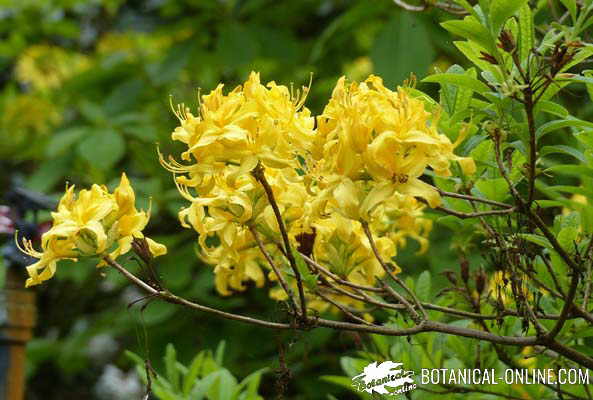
85	92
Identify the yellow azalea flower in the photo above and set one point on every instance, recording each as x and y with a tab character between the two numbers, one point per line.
363	162
236	264
90	223
370	132
46	67
251	124
342	246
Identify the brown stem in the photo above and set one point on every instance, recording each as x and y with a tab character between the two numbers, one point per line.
259	175
395	278
276	270
473	198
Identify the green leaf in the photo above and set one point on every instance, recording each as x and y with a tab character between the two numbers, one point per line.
526	32
103	148
465	81
494	189
589	74
393	57
171	367
571	6
539	240
560	124
223	385
49	173
192	374
170	67
585	137
571	170
567	236
501	10
469	28
571	151
553	108
423	286
456	99
63	140
219	354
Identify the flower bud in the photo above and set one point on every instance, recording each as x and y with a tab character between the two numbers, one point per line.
507	43
480	281
464	270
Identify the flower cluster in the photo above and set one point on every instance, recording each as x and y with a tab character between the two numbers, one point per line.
93	223
359	162
46	67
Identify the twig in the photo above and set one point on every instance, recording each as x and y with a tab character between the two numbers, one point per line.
464	215
396	279
259	175
473	198
343	309
336	278
279	275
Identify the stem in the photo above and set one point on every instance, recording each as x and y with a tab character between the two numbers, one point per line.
529	104
275	269
259	175
396	279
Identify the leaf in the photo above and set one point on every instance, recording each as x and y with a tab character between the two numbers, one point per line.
63	140
103	148
501	10
571	6
571	170
342	381
589	74
393	57
494	189
219	354
526	32
553	108
567	236
563	150
251	382
49	173
585	137
469	28
423	286
171	368
456	99
539	240
465	81
223	385
170	67
192	374
562	123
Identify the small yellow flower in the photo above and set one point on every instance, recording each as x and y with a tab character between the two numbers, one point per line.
47	67
92	223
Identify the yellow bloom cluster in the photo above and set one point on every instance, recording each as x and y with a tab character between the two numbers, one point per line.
359	162
46	67
92	223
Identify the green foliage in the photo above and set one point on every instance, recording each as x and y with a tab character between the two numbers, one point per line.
203	378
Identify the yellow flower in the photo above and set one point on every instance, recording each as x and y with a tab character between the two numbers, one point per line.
370	132
236	264
342	246
89	224
46	67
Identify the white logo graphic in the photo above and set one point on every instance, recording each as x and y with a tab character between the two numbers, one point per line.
376	378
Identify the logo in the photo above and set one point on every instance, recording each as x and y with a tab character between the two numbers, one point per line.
377	378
